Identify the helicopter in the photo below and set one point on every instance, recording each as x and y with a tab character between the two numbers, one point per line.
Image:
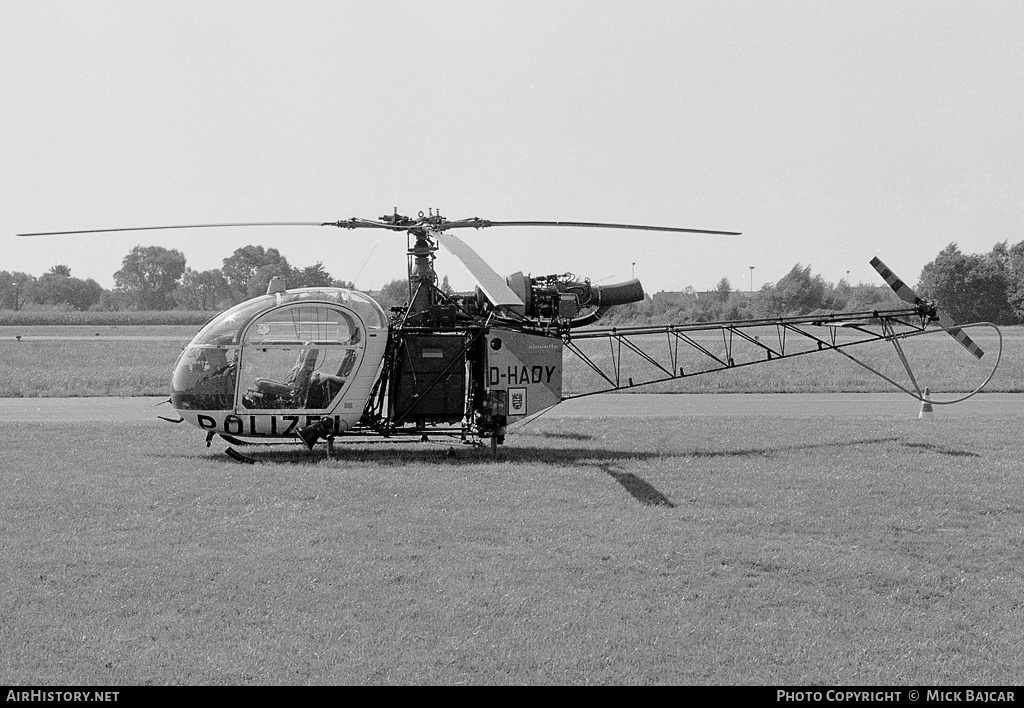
325	364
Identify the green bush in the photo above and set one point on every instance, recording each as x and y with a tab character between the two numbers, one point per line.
24	318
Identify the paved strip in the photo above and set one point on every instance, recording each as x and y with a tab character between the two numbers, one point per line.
897	406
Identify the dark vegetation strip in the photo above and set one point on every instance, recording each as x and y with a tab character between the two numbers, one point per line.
28	318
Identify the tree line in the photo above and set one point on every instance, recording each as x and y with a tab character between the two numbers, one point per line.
986	287
157	278
969	287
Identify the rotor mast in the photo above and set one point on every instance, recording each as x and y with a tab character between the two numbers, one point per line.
422	276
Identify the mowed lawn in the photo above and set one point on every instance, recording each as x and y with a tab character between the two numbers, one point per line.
594	550
63	361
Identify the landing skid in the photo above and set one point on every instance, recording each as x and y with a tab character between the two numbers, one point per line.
365	439
241	442
239	457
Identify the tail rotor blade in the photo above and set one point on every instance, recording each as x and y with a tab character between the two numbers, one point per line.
942	319
947	323
901	288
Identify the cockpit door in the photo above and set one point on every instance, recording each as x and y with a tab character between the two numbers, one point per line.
298	357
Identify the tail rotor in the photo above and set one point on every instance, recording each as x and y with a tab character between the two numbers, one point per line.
944	321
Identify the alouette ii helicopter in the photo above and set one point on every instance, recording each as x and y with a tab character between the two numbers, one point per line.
325	364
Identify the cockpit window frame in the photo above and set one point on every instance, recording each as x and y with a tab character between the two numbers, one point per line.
217	331
356	324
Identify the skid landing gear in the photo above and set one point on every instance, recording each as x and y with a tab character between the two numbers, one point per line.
239	457
497	437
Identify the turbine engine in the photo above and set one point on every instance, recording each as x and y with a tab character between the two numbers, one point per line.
563	297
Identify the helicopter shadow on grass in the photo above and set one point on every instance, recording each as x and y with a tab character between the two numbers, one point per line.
397	455
612	462
777	450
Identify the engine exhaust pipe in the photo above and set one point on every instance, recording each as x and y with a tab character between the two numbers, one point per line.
617	294
606	297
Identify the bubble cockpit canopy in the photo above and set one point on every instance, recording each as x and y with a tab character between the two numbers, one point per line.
227	328
273	330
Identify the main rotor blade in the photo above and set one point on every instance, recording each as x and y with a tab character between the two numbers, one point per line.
484	223
180	226
430	222
493	285
357	223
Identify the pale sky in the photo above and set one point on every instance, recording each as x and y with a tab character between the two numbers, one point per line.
827	132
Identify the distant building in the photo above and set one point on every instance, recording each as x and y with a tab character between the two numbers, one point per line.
671	298
675	298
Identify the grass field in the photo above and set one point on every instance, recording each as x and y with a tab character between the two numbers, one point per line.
140	364
805	550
